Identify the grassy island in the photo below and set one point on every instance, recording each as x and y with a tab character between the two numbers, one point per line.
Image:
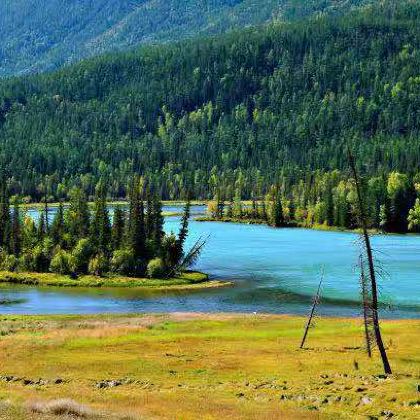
190	365
83	246
187	280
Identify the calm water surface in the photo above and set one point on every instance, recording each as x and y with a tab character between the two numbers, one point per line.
274	270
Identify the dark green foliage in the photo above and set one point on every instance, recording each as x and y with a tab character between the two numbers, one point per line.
77	216
4	217
118	226
57	227
278	216
252	108
43	34
15	233
67	248
136	233
183	232
100	226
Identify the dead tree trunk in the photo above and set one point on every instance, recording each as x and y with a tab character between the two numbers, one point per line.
372	273
367	307
315	302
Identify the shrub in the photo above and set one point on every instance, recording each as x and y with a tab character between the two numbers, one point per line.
98	265
82	253
156	269
62	263
61	407
170	251
123	262
8	262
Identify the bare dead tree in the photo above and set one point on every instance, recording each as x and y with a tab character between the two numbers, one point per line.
370	262
315	301
367	306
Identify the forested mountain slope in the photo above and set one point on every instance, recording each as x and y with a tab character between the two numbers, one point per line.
38	35
241	111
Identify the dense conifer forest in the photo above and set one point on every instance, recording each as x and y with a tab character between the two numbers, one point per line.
35	35
236	116
79	240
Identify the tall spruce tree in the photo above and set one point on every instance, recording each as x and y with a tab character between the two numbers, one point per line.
15	231
118	225
278	216
57	230
183	231
5	218
101	226
136	234
158	222
78	216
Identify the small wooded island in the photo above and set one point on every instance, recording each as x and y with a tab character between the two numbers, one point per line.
84	247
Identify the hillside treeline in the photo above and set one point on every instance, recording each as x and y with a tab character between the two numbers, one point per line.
236	114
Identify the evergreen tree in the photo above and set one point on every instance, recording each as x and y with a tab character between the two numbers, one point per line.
278	216
41	229
183	231
15	233
136	233
158	222
118	226
57	230
4	216
329	206
101	225
77	216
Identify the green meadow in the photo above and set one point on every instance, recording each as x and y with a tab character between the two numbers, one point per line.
189	366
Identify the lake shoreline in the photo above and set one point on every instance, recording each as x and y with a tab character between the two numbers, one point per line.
187	281
322	228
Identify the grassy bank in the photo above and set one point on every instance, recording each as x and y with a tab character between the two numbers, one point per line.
193	366
189	280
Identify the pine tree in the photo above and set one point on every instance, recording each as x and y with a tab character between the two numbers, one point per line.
183	231
118	225
58	227
15	232
41	229
149	219
278	216
101	225
77	215
158	222
329	205
136	234
5	219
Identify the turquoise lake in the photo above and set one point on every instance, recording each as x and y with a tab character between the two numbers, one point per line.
273	270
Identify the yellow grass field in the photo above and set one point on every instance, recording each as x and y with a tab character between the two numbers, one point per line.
201	366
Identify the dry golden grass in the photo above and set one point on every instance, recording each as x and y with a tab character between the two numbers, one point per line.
190	366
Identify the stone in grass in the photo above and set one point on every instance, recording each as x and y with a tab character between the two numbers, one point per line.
366	400
108	384
387	414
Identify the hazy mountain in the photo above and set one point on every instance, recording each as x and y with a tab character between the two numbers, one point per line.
37	35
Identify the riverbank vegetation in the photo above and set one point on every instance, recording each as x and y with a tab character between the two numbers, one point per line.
184	281
268	105
80	241
187	366
328	201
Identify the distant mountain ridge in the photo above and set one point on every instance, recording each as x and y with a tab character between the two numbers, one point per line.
39	35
